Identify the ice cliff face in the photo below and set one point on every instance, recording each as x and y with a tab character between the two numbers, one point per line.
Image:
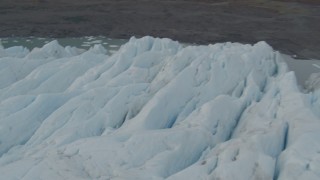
155	110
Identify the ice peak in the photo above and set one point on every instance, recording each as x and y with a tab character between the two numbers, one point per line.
156	109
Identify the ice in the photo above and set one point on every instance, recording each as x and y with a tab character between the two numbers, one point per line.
156	109
313	82
15	51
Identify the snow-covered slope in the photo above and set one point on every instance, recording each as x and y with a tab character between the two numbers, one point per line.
155	110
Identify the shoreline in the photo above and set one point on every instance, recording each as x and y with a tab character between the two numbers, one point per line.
290	27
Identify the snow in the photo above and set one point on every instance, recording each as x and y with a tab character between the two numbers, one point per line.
156	109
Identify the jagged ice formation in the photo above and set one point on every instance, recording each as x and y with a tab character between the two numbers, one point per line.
155	110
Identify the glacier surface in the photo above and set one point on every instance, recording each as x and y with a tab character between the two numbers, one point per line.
155	109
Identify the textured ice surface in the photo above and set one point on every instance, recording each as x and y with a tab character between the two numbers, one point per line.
313	83
155	110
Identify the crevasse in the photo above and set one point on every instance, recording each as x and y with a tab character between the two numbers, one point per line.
155	110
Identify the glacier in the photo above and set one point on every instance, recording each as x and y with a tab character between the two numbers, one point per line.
156	109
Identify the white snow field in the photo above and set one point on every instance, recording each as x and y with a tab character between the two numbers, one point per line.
155	110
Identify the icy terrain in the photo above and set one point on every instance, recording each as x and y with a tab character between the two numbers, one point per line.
155	110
